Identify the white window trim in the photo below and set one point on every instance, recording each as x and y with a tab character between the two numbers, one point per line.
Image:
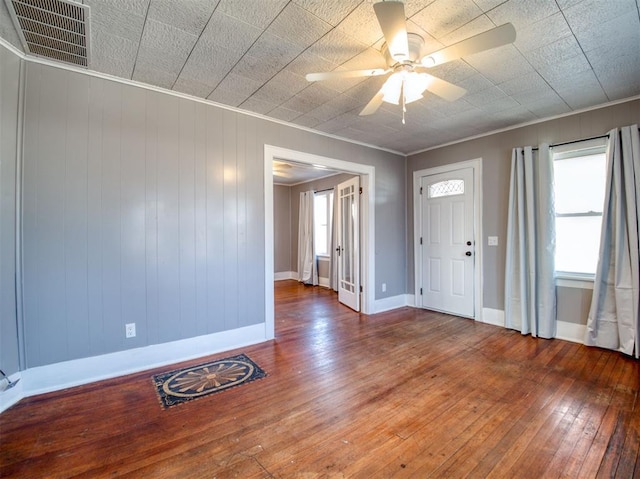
328	194
574	280
569	279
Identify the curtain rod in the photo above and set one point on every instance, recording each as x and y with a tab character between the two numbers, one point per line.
576	141
322	191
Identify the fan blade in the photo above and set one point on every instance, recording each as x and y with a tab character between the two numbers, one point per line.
496	37
336	75
373	105
394	28
441	87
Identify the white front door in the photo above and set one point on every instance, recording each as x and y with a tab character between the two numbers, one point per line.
447	242
349	243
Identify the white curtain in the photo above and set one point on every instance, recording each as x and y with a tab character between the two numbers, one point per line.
333	265
613	317
307	265
530	293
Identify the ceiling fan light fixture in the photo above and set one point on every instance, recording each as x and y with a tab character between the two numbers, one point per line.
407	61
399	56
428	61
414	86
392	88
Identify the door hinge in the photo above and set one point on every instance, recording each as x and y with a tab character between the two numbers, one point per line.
361	288
361	190
421	190
420	239
420	291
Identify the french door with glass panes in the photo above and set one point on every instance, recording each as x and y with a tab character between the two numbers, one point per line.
348	248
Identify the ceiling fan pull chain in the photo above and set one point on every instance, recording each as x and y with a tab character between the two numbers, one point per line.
404	105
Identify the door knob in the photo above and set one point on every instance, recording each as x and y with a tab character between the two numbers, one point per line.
468	243
468	253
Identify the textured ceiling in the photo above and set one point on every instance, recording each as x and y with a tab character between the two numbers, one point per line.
290	173
253	54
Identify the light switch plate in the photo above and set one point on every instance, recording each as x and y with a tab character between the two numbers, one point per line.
493	241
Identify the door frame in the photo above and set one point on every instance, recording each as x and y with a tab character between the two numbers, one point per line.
348	298
476	165
367	224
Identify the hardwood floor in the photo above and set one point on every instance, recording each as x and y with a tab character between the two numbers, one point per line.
403	394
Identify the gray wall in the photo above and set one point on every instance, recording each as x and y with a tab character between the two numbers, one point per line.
282	229
9	89
495	151
573	304
144	207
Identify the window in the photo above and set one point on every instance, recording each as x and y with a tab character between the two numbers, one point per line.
322	216
446	188
579	177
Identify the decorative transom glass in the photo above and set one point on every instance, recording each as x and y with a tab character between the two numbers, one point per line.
446	188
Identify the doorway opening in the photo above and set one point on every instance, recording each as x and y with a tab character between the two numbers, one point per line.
367	176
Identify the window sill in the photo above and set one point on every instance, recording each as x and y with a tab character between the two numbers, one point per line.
574	280
323	256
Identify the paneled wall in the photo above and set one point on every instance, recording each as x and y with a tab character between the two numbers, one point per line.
9	97
495	151
144	207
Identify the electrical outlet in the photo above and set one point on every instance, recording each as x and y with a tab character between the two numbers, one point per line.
384	287
492	241
130	330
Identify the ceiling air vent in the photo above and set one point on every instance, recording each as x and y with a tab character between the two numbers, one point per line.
55	29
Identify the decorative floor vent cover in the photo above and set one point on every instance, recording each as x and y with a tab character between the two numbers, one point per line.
55	29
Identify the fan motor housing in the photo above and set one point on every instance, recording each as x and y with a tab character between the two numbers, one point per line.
415	41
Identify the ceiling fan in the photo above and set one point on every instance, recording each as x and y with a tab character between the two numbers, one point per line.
403	53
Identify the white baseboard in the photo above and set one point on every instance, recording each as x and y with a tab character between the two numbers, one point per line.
9	397
67	374
324	282
392	302
493	316
565	331
285	275
571	332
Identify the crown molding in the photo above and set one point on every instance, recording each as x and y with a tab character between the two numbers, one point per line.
146	86
126	81
528	123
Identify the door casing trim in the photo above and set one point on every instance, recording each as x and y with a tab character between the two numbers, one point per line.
367	218
476	165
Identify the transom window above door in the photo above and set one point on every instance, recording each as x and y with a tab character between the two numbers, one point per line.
446	188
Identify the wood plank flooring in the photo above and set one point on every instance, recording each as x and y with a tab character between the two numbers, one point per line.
403	394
